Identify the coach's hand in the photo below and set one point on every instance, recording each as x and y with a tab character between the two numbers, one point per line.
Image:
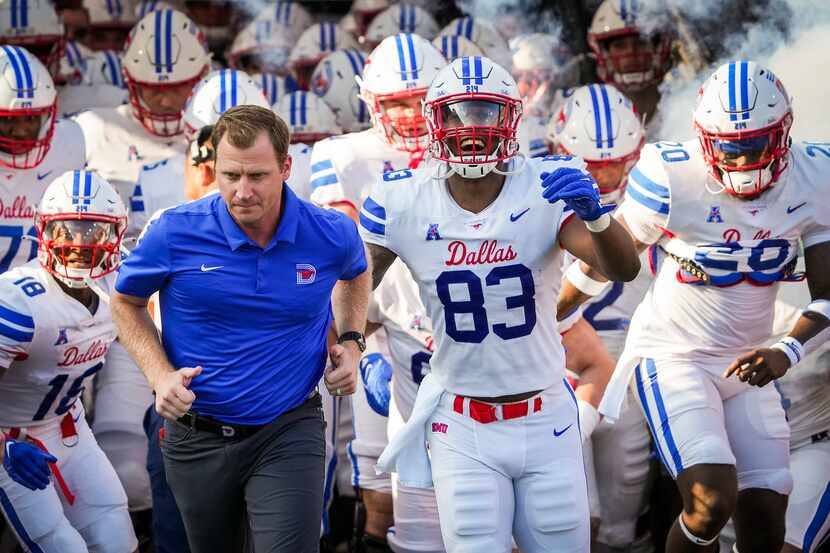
341	380
173	398
759	367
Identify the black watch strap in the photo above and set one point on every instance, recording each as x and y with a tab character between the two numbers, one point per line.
356	336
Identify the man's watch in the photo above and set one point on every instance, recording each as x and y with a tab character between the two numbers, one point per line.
356	336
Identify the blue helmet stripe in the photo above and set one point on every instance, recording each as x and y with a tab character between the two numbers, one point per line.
222	91
597	121
303	97
292	110
454	45
401	60
360	59
352	61
745	89
458	29
18	77
70	52
233	88
465	70
112	62
168	37
468	28
623	10
158	42
14	13
323	37
732	108
412	61
609	125
401	17
27	72
478	73
633	8
87	187
444	46
332	37
278	15
119	9
287	10
76	186
24	13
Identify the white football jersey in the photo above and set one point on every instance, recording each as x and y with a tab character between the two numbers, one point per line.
745	246
489	280
21	191
805	389
345	167
50	345
118	146
397	306
73	99
300	170
160	185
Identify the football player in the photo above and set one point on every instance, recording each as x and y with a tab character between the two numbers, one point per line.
109	23
600	125
400	18
262	46
102	85
59	492
35	148
730	210
34	25
312	46
484	244
335	81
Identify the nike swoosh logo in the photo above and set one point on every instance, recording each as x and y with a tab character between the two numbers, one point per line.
791	209
44	175
206	269
514	218
559	433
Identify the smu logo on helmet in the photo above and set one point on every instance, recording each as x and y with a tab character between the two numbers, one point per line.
306	273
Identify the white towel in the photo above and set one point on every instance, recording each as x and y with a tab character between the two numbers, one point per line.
617	389
407	452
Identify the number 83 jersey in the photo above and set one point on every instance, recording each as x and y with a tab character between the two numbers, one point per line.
50	345
488	280
744	247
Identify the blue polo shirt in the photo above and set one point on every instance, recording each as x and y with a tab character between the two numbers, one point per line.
254	318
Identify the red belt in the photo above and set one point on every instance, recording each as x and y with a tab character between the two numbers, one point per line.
490	412
68	432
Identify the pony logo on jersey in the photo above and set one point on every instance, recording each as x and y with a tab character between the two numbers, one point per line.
387	167
432	232
132	154
714	215
306	273
62	338
417	322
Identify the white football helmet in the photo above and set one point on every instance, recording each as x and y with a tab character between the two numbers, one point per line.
335	81
218	92
262	46
634	68
456	46
80	223
165	51
26	92
743	119
143	7
312	46
104	67
287	13
482	34
109	24
400	68
600	125
273	86
73	65
542	64
472	111
308	117
33	24
401	18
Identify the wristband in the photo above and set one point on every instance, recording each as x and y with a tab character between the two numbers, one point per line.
822	307
588	418
599	224
583	282
792	348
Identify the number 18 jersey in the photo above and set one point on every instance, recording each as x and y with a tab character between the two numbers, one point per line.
488	280
50	345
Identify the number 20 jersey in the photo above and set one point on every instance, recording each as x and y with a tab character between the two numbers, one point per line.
745	246
489	280
50	344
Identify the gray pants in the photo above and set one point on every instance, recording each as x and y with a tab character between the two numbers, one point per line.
275	477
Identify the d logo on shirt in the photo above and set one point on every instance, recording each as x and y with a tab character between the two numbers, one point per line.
306	273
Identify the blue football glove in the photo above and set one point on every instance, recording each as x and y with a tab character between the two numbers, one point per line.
27	465
376	373
577	189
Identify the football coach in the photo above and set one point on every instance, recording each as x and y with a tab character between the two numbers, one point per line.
247	280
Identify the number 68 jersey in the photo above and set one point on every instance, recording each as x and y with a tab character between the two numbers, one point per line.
743	248
50	345
488	280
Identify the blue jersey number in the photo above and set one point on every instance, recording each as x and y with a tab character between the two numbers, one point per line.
30	286
592	312
420	365
474	306
15	234
815	148
672	151
69	398
765	256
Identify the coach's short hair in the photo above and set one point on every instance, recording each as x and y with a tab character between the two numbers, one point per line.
243	124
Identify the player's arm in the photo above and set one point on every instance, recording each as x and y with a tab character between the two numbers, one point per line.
380	259
763	365
375	229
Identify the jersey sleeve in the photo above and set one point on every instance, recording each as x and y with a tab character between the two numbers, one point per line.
647	198
372	216
354	256
17	327
818	230
324	179
147	267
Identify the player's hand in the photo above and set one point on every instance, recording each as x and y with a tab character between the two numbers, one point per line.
759	367
27	465
341	379
173	397
578	189
376	373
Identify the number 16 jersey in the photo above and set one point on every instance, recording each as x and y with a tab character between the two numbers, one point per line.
489	280
50	345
